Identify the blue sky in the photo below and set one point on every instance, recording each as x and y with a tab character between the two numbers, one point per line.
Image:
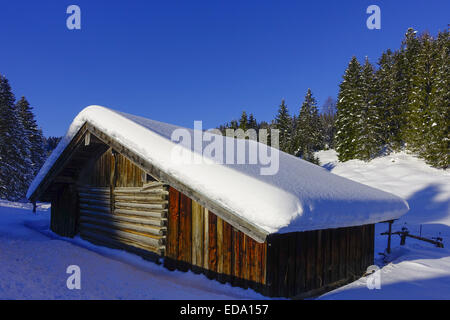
180	61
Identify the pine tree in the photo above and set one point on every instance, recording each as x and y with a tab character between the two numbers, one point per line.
408	60
437	134
34	135
328	123
349	100
243	122
308	133
252	123
14	147
283	122
390	112
422	88
368	141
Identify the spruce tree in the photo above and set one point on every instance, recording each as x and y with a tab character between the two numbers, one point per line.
349	100
33	133
437	120
243	122
283	122
368	123
15	160
422	89
308	133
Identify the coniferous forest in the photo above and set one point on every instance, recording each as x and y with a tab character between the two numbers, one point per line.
23	148
400	103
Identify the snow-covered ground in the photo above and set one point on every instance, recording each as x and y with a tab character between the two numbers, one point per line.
417	270
33	261
33	265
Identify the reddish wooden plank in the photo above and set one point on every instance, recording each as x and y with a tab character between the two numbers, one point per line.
173	224
185	230
212	242
227	248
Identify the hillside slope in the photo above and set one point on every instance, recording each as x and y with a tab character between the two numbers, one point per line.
417	270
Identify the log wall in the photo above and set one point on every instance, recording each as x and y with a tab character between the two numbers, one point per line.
200	241
121	208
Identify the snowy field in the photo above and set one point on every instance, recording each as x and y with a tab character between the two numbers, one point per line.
33	261
417	270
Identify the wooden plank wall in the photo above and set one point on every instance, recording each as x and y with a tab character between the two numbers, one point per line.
302	264
119	208
199	240
64	211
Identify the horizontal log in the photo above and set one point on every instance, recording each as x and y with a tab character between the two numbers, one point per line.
114	221
150	214
149	220
117	234
140	205
110	241
142	199
139	192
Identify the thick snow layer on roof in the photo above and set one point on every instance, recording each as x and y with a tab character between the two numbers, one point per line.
300	196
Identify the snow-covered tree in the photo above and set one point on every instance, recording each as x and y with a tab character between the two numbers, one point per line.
33	133
15	162
368	123
308	132
283	122
349	100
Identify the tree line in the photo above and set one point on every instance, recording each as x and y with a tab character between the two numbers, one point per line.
23	148
402	104
300	134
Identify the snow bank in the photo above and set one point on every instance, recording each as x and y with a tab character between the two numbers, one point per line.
300	197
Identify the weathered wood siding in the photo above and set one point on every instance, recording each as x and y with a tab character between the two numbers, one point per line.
64	211
302	264
199	240
120	208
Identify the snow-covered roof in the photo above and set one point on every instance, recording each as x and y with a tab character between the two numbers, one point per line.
299	197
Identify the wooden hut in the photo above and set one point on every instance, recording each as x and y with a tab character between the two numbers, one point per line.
106	183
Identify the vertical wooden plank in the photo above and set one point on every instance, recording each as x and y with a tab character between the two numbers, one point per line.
236	260
227	248
242	258
220	250
252	261
319	259
310	260
291	263
185	231
299	263
283	266
272	266
263	262
197	234
206	239
212	244
173	224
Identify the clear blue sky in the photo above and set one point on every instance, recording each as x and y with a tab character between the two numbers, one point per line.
179	61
